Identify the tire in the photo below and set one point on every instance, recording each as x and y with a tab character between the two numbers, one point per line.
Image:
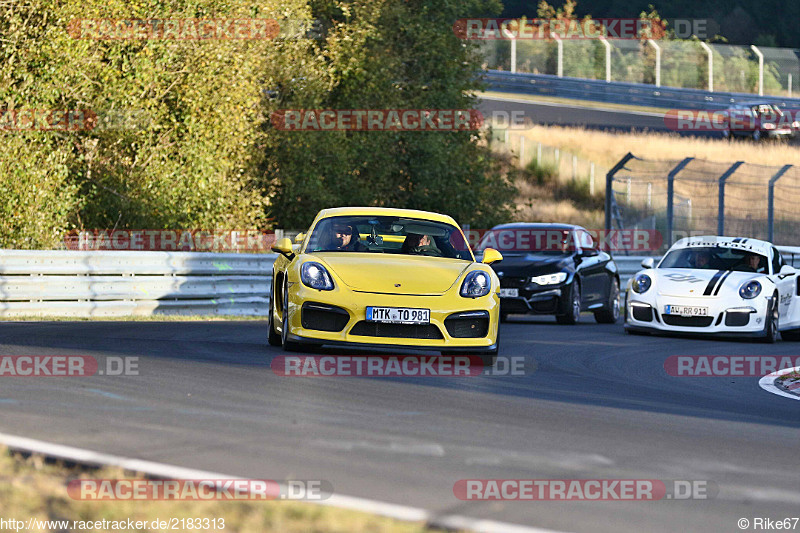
756	136
288	345
273	337
726	134
771	323
609	314
571	307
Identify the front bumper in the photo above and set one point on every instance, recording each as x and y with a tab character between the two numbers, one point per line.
540	301
728	318
464	314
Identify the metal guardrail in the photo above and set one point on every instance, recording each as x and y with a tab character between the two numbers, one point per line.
640	94
102	283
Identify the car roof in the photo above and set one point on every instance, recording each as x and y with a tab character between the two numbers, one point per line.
537	225
385	211
740	243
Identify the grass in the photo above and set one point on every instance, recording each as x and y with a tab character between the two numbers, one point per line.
570	102
35	488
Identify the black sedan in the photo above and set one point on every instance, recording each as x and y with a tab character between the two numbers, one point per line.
553	269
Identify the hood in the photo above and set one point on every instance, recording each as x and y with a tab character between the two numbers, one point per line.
382	272
697	282
523	265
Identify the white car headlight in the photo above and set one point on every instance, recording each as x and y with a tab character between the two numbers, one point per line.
316	276
476	284
769	126
549	279
750	290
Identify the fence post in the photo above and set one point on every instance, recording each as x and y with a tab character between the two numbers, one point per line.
710	65
657	48
671	195
771	201
560	59
721	203
610	186
760	56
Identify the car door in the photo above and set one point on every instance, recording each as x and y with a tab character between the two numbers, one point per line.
786	281
592	269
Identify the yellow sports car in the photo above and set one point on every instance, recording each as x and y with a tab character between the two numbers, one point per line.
383	278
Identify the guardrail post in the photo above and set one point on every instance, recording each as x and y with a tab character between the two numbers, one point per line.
760	56
710	65
671	196
721	203
610	186
560	65
771	202
608	58
658	61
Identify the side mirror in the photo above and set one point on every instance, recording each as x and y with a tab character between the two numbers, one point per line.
648	262
490	255
300	238
284	247
786	269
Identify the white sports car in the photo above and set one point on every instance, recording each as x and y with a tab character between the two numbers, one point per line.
716	285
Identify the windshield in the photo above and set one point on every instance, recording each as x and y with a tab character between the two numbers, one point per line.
715	258
387	234
522	240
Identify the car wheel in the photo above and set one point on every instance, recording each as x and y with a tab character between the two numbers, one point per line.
726	134
771	322
572	306
756	135
273	337
609	314
288	345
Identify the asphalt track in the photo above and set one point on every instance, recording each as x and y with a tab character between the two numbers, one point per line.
594	403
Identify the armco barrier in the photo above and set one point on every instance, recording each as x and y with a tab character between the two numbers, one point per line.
640	94
107	283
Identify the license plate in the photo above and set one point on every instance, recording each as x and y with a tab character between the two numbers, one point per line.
398	315
685	310
509	293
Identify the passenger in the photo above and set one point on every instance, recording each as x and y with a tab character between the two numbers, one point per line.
416	244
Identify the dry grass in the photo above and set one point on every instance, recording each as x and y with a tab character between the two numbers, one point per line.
606	148
32	488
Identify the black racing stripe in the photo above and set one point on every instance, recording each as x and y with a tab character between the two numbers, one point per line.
719	285
712	283
744	241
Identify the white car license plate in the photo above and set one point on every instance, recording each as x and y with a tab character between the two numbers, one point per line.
509	293
685	310
398	315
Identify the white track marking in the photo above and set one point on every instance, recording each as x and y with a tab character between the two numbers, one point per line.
768	383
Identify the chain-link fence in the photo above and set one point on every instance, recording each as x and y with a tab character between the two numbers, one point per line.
697	197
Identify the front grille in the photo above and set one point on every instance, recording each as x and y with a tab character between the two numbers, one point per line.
402	331
545	306
732	318
688	321
642	314
464	326
513	283
323	317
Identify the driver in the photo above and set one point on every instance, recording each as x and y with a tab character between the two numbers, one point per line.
752	263
700	259
344	238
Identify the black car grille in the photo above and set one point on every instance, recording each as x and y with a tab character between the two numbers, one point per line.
323	317
688	321
402	331
735	319
513	283
470	325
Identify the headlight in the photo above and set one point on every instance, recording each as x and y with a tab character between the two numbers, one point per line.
641	283
316	276
796	124
769	126
549	279
476	284
750	290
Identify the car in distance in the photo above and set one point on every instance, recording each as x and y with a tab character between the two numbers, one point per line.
553	269
381	277
759	120
716	285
